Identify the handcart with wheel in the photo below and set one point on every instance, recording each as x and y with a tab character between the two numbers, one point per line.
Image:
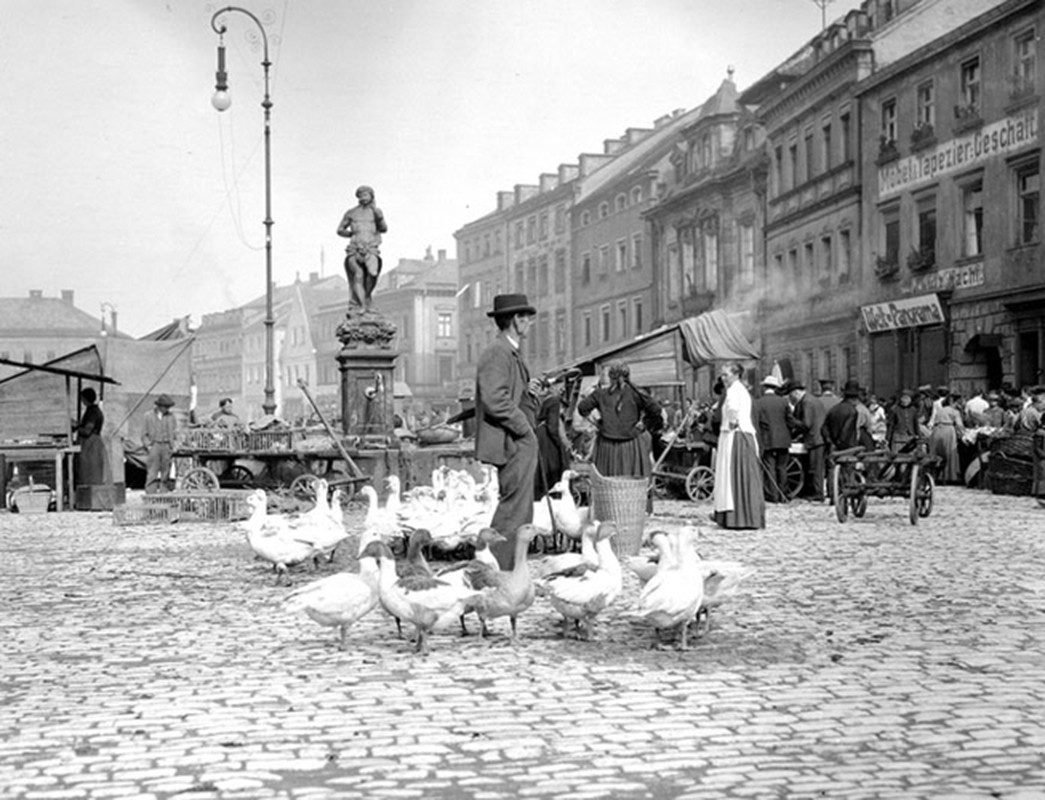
686	463
857	474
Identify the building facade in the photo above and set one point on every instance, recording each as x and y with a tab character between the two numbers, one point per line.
952	207
38	329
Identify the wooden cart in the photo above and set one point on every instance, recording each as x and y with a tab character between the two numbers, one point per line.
857	474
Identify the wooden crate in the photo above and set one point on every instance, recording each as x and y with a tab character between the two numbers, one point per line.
223	505
144	515
274	441
212	440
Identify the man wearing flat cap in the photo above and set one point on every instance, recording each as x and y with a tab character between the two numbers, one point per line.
160	429
505	414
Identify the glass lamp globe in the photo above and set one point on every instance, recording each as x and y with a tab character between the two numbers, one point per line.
221	100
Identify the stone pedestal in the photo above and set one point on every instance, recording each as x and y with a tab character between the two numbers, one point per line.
367	364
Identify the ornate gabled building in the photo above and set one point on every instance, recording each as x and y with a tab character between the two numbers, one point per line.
706	223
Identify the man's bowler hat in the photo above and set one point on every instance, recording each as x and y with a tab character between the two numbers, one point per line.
164	401
504	304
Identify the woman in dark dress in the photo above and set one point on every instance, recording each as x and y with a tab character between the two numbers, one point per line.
554	455
92	465
622	445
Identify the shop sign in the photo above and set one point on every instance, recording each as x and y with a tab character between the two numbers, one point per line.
907	312
965	277
959	153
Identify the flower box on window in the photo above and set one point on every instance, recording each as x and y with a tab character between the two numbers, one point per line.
886	268
923	136
967	116
887	150
921	259
1021	87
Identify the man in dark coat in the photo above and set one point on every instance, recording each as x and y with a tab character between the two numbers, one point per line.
774	438
840	424
807	420
505	411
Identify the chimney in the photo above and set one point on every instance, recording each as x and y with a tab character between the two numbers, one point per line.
505	200
313	277
611	147
112	318
36	294
568	172
549	181
67	296
442	255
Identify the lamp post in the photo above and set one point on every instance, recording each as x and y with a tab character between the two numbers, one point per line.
221	101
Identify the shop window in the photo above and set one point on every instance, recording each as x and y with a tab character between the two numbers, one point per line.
972	219
1028	203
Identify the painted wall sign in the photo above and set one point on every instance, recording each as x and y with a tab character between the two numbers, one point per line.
964	277
959	153
907	312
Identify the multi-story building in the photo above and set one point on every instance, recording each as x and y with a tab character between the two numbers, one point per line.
37	329
952	203
420	297
217	360
482	267
707	221
612	248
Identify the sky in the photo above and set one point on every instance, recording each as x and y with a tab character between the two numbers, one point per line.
122	183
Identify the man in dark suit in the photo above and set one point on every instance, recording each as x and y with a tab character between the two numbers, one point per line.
774	438
807	421
505	412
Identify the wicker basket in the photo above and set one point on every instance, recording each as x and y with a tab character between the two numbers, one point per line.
1007	475
1016	445
212	440
32	500
621	501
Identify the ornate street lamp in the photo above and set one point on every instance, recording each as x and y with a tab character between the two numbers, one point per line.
221	101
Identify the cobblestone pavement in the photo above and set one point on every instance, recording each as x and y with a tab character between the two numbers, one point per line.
870	659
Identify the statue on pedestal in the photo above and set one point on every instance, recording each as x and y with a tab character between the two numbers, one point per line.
363	224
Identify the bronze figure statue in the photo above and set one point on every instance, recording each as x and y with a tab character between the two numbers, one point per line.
363	224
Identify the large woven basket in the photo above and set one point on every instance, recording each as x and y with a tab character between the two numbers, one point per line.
621	501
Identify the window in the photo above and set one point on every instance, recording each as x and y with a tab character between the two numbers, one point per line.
636	251
531	277
604	314
604	260
520	278
486	245
621	202
636	314
586	326
560	218
809	157
778	263
560	270
792	266
888	131
542	276
845	135
622	318
710	282
621	262
747	254
792	154
778	168
826	259
585	218
531	230
808	264
970	85
1028	203
604	210
497	244
444	325
519	232
925	105
972	218
891	237
477	295
585	269
705	151
845	255
636	195
825	144
1024	63
542	225
926	226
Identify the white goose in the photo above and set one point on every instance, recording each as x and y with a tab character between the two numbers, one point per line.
581	593
672	596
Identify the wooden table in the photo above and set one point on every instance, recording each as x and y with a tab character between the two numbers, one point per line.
62	454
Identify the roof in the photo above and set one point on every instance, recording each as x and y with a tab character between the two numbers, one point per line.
52	314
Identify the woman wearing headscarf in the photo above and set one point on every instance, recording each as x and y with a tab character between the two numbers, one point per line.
739	499
621	446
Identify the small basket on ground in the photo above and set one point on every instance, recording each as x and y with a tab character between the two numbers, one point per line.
145	515
621	501
34	499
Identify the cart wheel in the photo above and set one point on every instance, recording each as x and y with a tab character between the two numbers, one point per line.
700	483
838	490
303	487
661	487
912	504
923	494
795	477
238	475
200	479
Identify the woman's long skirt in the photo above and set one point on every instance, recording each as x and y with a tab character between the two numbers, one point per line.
943	442
749	502
629	458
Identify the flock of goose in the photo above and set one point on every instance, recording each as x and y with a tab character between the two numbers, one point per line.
678	588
